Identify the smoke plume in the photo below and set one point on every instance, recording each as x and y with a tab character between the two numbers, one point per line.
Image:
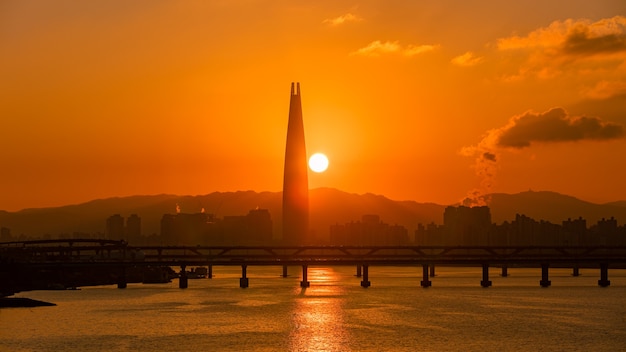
521	131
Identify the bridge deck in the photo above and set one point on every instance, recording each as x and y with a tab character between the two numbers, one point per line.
103	252
118	256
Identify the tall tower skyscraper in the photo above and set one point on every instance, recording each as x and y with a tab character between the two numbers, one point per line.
295	182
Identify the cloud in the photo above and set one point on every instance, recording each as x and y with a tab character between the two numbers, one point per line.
377	48
552	126
489	156
570	45
349	17
418	49
575	36
606	89
467	59
582	40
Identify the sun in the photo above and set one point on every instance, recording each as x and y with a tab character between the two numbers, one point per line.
318	162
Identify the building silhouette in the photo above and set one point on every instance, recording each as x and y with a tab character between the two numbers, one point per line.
205	229
133	227
119	229
189	229
370	231
115	227
253	228
5	234
471	226
608	233
429	235
465	225
295	182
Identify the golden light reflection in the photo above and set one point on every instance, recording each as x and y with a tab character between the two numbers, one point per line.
318	317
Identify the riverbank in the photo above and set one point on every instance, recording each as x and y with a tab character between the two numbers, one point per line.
20	302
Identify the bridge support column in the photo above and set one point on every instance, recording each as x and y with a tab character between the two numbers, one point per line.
243	281
183	280
485	281
304	282
505	271
358	271
284	271
604	275
432	270
544	275
425	282
121	279
575	271
365	282
209	274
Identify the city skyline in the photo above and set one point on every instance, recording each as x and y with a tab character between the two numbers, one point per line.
432	102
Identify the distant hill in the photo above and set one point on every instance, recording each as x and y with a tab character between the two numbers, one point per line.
328	206
553	207
621	203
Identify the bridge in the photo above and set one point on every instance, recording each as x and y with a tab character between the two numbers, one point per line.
119	256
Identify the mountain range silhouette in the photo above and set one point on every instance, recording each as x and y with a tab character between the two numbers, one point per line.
328	206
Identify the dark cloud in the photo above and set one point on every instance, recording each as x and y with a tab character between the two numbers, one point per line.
489	156
595	49
612	107
555	125
581	41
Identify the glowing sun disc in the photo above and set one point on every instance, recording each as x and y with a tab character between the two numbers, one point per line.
318	162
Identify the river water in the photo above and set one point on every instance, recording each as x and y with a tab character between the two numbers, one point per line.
333	314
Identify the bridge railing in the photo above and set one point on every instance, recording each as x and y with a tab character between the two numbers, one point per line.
75	250
96	251
391	254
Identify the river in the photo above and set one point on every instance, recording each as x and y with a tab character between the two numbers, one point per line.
333	314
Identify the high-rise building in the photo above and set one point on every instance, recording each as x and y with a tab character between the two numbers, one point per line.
189	229
115	227
295	182
116	230
466	226
133	227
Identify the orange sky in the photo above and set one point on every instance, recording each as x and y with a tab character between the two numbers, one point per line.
416	100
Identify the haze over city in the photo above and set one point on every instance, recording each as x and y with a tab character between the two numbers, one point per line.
432	101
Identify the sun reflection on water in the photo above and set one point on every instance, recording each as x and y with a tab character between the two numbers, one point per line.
317	319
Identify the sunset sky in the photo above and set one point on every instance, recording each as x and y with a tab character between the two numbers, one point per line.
431	101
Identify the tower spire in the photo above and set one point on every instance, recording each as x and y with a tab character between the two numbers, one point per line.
295	183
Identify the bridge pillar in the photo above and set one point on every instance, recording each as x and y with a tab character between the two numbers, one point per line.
425	282
575	271
284	271
209	274
243	281
365	282
183	280
485	281
121	279
358	271
505	271
604	275
544	275
432	270
304	282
